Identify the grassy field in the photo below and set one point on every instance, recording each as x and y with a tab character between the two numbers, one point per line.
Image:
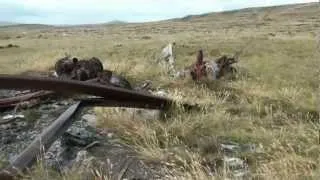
273	102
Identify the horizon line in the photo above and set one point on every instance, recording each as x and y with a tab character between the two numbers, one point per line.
12	23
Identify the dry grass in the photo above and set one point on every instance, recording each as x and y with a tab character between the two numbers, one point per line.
273	101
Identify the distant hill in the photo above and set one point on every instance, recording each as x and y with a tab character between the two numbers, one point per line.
304	6
23	26
5	23
116	22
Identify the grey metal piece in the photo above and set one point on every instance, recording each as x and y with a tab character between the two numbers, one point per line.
27	157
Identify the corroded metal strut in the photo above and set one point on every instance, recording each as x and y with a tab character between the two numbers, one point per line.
81	87
41	144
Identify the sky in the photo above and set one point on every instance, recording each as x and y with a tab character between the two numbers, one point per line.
100	11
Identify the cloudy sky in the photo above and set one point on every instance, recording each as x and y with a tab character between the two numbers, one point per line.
99	11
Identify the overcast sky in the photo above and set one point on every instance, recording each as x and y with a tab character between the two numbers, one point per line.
99	11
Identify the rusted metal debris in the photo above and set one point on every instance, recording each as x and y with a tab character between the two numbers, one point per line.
13	101
97	83
21	98
209	69
80	87
82	70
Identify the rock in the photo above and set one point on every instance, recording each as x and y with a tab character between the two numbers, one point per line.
167	53
44	116
10	117
144	114
7	140
147	114
63	103
91	119
234	163
162	93
237	148
236	167
167	58
144	86
119	81
76	136
231	148
110	135
6	126
81	156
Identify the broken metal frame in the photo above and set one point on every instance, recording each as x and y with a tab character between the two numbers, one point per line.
109	97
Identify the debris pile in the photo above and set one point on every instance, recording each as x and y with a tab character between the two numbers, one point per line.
83	135
82	70
91	69
210	69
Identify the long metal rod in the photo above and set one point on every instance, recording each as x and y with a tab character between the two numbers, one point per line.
14	101
24	97
41	144
73	86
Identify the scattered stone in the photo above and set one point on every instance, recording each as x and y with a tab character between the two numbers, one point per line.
63	103
141	113
6	126
232	147
76	136
10	117
91	119
119	81
162	93
236	167
144	86
110	135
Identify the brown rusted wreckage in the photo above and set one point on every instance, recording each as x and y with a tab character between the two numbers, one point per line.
213	70
72	77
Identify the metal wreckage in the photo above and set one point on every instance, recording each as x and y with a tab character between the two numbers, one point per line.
105	88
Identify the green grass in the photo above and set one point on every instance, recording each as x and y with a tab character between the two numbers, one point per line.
272	102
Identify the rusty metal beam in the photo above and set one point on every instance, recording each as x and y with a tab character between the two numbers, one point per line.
11	102
73	86
24	97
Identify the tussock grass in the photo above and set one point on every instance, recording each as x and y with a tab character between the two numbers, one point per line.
273	101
